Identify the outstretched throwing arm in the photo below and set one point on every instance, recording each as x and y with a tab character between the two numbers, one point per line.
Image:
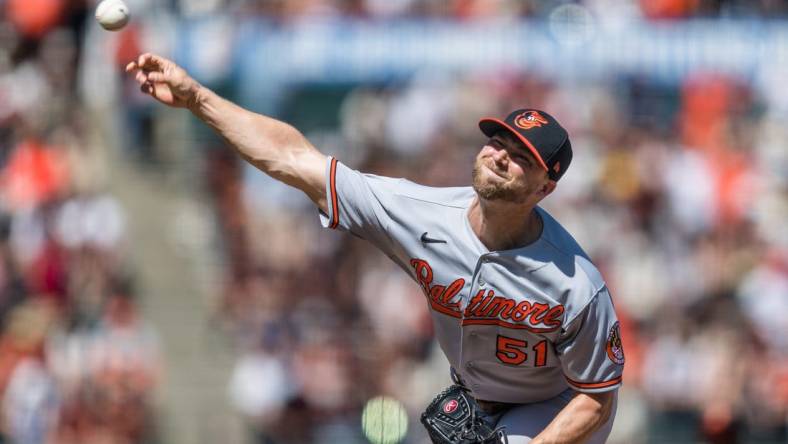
274	147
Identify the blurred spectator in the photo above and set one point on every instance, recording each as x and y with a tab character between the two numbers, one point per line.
109	372
30	399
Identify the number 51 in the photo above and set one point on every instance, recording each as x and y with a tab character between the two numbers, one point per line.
512	351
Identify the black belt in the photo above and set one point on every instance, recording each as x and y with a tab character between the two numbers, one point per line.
494	407
489	407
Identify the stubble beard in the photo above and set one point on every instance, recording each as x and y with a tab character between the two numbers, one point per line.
495	191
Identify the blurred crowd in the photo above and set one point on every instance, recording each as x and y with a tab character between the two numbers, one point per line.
678	192
78	364
480	9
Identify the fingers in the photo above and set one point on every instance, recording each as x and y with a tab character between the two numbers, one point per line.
148	62
149	88
153	62
143	77
145	82
144	59
157	77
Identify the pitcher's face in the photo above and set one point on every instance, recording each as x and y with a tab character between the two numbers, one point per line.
506	170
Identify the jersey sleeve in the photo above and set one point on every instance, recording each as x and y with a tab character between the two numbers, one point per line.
359	203
590	350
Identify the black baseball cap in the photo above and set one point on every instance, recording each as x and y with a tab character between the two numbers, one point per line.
547	140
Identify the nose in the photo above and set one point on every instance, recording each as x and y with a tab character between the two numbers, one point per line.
500	156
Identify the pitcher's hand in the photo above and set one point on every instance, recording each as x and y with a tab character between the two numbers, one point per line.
164	80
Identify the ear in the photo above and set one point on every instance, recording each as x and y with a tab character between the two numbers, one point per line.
547	188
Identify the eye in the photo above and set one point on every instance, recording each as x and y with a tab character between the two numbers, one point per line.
522	159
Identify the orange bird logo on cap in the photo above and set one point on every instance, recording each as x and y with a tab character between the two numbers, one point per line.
529	119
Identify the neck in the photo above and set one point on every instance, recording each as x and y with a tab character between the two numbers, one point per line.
504	225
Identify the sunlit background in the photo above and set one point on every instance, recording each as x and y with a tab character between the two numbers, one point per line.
154	289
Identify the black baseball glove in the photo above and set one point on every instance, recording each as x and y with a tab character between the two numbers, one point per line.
454	417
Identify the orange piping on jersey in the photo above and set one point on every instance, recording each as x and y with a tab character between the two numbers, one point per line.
334	201
595	385
501	323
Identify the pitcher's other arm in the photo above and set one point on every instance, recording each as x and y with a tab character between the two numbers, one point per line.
578	420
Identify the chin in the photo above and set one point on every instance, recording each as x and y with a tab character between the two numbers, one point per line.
491	187
496	192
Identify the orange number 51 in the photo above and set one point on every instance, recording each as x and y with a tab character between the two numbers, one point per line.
512	351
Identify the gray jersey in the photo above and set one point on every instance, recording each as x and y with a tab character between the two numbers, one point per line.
519	325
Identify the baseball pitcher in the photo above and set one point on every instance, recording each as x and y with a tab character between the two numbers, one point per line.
523	316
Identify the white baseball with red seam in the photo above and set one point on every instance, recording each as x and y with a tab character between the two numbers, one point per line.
112	15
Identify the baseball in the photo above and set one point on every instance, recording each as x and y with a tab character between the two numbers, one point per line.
112	14
384	420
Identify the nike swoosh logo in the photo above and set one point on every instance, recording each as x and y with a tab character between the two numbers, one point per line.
429	240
